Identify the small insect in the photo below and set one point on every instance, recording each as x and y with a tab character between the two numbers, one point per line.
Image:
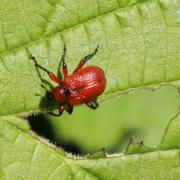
84	85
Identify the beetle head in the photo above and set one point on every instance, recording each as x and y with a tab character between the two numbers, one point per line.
60	94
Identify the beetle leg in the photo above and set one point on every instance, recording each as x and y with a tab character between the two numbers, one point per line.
92	104
54	114
85	59
64	66
69	108
52	76
61	110
49	94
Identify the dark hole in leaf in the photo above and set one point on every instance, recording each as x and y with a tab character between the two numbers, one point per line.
40	125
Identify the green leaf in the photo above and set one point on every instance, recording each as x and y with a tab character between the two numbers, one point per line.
172	136
139	45
25	156
139	48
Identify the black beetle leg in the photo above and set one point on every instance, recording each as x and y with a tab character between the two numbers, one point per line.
49	94
69	108
61	110
86	58
93	104
53	114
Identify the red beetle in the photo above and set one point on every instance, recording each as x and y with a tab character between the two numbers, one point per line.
83	86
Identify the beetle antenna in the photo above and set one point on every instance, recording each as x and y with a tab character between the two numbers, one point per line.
37	65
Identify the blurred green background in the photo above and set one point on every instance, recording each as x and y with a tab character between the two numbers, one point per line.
144	114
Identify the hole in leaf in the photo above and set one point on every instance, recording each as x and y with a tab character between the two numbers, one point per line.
144	114
41	125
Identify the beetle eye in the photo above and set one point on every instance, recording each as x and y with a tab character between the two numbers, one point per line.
67	92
